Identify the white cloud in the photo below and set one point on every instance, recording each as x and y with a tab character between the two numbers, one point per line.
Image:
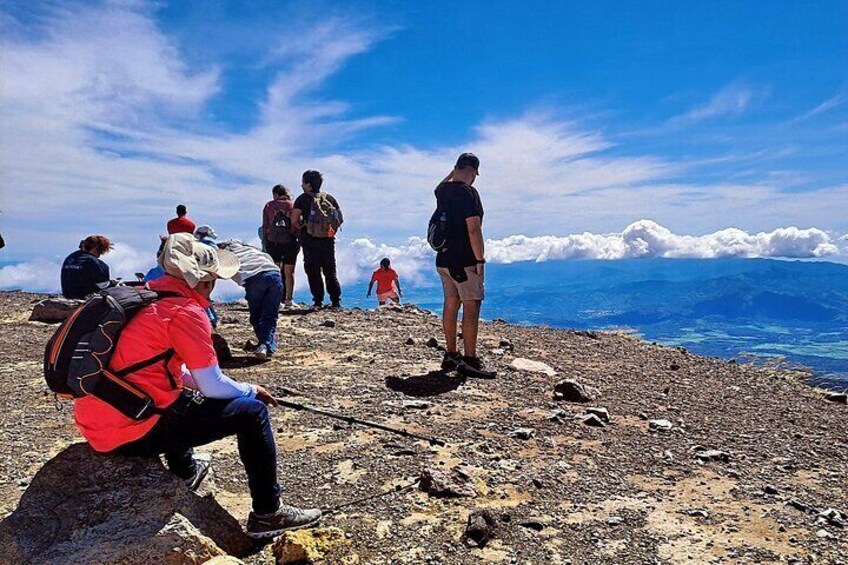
826	106
414	259
734	99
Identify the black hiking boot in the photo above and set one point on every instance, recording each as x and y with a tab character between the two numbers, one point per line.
201	469
265	526
450	361
473	368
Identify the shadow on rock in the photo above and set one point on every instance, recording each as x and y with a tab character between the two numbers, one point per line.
85	507
433	383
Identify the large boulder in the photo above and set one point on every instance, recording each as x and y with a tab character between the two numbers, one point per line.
54	310
85	507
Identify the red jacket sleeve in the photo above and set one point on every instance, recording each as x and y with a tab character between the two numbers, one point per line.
191	337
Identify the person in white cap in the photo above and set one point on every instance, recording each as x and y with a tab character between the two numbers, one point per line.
197	404
205	234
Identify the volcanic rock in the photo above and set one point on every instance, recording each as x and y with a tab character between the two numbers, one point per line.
308	546
529	366
713	455
480	527
570	390
592	420
85	507
447	483
659	425
54	310
601	413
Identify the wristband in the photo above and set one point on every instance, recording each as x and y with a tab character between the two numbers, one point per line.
480	261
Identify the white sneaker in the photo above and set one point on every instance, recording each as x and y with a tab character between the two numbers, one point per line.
261	352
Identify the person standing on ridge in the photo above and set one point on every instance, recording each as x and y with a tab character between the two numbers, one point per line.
318	217
388	283
279	237
460	264
83	272
181	224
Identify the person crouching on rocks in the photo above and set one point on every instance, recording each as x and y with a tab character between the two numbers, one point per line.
388	283
219	408
263	290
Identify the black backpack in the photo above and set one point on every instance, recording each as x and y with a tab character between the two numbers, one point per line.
280	229
76	359
437	230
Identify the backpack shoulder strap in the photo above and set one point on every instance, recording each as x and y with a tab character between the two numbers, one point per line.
164	356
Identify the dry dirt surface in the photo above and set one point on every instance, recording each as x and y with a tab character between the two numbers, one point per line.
560	492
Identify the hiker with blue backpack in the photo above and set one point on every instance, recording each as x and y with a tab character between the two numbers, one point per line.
455	232
279	237
159	389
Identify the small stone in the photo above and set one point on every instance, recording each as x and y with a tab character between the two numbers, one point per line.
432	342
506	344
659	425
523	365
570	390
523	433
713	455
798	505
532	524
615	521
410	341
498	351
329	323
838	397
770	489
674	367
558	415
833	517
592	420
823	534
54	310
480	527
537	483
416	404
698	513
601	413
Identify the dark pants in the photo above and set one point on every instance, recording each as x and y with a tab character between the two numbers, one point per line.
319	255
246	418
264	292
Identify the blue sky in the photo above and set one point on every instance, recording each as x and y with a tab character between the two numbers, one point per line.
587	117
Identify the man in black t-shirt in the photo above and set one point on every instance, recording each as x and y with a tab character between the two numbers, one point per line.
319	250
460	265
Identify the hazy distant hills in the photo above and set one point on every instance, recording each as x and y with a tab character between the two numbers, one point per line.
792	309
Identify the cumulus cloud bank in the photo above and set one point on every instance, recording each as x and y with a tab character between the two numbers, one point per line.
644	239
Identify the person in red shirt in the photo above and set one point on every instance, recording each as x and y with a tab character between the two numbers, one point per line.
197	403
280	237
388	283
181	224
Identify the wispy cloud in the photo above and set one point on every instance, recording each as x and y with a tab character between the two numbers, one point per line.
734	99
826	106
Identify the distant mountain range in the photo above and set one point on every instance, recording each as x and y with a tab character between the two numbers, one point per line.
723	307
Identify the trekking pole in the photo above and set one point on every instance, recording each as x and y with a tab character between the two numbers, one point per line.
399	489
351	420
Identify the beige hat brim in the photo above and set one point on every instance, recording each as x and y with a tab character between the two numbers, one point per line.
228	264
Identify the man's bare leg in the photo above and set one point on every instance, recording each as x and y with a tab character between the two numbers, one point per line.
449	315
470	325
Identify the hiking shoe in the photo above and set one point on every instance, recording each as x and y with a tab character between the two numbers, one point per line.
201	469
261	352
264	526
450	361
472	367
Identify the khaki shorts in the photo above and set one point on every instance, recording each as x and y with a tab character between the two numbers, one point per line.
471	289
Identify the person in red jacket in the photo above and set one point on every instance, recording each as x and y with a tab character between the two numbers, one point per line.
199	403
181	224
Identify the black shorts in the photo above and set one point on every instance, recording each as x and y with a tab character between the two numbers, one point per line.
285	253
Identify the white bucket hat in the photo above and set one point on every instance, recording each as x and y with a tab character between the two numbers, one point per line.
186	258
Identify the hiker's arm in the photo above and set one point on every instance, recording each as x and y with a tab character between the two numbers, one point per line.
475	235
190	335
214	384
397	283
295	218
370	286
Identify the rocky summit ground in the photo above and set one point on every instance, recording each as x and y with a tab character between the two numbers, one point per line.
749	467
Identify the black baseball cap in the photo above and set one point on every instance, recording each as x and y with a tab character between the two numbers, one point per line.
468	160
